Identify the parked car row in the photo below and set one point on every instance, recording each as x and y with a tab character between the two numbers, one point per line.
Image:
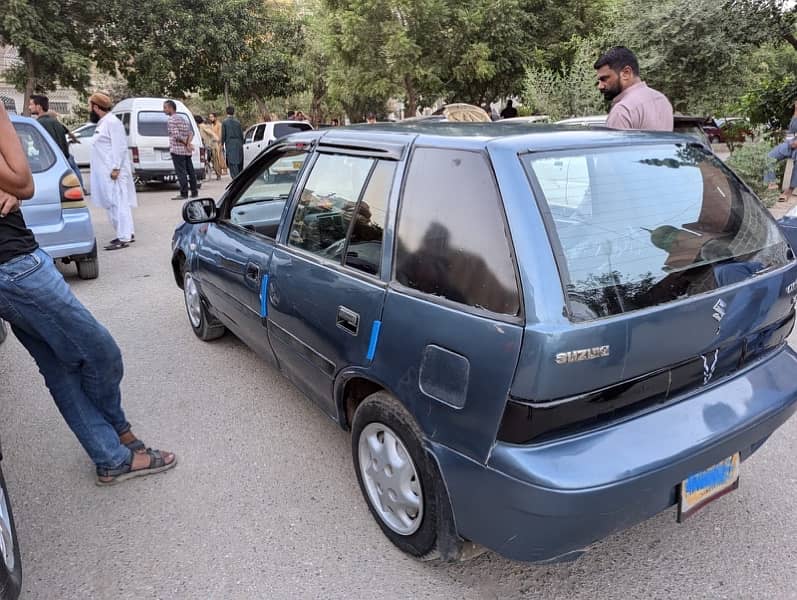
536	336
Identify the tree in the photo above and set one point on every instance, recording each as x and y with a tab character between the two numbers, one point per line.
692	50
171	47
384	48
568	92
55	40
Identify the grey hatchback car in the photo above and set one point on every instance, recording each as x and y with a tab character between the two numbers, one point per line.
57	214
536	338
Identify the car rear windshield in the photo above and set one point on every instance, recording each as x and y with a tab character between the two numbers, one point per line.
38	151
638	226
153	123
283	129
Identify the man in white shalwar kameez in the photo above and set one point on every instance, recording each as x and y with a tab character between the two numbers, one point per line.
112	185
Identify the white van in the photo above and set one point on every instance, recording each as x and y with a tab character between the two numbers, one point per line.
148	139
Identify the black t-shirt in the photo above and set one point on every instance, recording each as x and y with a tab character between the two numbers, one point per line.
15	238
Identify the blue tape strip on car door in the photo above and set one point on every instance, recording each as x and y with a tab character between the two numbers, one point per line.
264	296
374	339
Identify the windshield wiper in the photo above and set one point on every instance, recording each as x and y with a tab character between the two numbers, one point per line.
262	199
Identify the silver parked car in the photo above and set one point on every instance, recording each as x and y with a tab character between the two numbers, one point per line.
57	214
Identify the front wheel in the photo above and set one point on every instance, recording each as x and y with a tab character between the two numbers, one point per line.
10	559
205	326
400	480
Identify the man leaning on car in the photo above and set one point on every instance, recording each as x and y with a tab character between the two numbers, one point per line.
80	361
634	104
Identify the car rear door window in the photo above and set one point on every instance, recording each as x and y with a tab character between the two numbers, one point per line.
283	129
364	247
452	234
328	203
37	150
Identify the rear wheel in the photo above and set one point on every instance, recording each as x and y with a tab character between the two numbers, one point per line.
204	325
400	480
10	560
88	268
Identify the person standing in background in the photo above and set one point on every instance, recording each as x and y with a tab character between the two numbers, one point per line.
211	143
39	108
181	147
634	104
112	184
510	112
232	140
219	166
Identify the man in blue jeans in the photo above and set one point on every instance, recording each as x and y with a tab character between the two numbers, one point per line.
80	361
181	147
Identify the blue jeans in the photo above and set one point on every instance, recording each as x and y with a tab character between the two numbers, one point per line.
80	361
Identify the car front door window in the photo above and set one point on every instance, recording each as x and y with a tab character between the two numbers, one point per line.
259	206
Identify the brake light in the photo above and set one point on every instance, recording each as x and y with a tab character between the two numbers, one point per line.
134	151
202	156
70	188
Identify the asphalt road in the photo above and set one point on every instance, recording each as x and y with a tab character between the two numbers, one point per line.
264	502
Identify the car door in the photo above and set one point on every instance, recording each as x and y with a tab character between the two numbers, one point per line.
82	149
326	289
253	142
232	262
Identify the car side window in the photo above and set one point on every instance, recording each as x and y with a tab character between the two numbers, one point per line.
125	117
364	247
261	129
327	204
260	204
452	237
249	135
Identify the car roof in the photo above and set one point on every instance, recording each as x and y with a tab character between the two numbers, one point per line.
521	137
146	102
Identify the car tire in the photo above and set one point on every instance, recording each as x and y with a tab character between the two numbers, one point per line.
88	268
10	559
425	531
205	326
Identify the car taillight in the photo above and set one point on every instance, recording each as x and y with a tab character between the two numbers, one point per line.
134	151
70	188
202	156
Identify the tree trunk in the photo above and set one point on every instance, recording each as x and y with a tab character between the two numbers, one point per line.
30	81
412	97
262	108
791	39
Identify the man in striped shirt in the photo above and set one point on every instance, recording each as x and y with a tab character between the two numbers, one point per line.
181	149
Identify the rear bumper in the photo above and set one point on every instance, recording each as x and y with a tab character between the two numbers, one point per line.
542	502
73	236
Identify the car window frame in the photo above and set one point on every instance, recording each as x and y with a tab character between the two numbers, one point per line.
359	151
46	142
261	129
240	185
399	287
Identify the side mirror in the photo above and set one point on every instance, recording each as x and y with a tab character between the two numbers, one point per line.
201	210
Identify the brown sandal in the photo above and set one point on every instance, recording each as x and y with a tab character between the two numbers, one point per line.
158	462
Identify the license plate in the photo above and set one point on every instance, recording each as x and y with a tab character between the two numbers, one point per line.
701	488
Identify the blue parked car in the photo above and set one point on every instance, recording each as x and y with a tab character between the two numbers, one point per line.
57	214
536	337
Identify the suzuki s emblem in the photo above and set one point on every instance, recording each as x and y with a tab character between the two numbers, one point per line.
719	310
709	364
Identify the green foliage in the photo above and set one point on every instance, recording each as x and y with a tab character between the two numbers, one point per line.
750	162
569	92
693	50
52	41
